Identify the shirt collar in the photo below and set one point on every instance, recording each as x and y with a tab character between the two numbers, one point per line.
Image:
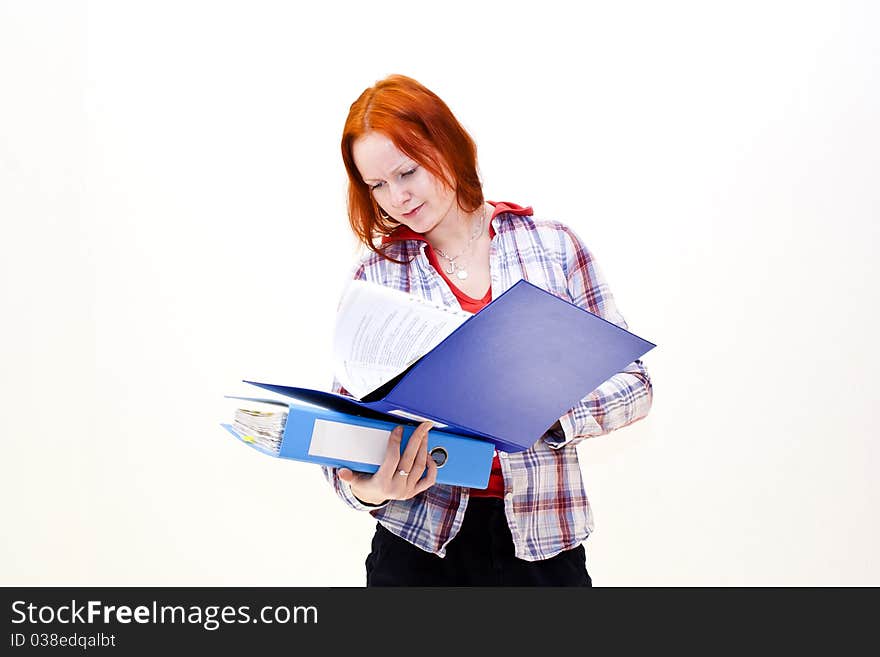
403	233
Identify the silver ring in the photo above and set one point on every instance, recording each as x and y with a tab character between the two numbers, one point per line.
403	473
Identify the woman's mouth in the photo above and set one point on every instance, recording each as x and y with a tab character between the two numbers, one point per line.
412	213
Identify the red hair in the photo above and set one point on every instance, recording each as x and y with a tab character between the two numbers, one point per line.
422	127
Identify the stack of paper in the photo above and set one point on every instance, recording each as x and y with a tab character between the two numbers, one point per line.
261	423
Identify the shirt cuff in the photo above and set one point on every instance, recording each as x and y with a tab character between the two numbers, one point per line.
357	503
558	439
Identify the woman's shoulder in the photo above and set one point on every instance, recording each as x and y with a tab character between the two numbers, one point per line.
514	218
534	233
518	216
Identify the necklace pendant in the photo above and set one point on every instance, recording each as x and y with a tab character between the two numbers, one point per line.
451	269
462	274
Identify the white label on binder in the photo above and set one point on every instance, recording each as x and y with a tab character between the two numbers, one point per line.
347	442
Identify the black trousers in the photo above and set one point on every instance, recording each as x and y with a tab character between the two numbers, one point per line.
480	555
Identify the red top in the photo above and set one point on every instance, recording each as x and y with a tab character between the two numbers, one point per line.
471	305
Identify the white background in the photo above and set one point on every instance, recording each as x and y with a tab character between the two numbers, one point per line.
173	221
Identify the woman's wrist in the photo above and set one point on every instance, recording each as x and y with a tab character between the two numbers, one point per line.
364	499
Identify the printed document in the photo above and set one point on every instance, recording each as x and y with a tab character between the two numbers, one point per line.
380	332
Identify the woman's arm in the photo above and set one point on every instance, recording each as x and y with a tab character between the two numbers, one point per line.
624	398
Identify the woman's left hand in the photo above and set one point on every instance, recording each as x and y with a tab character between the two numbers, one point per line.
399	477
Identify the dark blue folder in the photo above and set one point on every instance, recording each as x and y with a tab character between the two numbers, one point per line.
505	375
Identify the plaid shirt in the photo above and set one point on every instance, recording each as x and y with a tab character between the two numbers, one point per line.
544	499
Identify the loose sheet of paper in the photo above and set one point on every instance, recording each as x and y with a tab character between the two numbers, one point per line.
380	332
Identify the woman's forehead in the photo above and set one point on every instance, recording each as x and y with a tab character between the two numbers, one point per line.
376	156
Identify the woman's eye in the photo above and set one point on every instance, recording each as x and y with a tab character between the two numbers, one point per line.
378	185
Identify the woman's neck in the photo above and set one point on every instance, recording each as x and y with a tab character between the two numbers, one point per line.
454	234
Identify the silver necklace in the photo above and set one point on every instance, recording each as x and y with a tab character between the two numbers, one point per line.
460	270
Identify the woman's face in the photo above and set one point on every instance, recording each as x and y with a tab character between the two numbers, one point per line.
407	191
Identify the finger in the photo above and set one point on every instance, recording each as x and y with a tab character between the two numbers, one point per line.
349	476
388	467
432	466
425	426
418	466
429	479
416	440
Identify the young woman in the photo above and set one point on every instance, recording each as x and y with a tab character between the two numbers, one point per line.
415	201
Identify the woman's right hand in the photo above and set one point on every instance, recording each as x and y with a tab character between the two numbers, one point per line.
399	477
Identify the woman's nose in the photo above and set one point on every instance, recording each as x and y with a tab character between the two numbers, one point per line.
399	195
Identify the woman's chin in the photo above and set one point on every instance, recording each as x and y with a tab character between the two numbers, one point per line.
420	222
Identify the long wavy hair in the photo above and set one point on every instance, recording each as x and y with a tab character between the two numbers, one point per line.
422	127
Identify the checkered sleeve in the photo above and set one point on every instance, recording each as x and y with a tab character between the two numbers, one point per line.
624	398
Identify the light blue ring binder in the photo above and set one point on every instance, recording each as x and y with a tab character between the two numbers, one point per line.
468	461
